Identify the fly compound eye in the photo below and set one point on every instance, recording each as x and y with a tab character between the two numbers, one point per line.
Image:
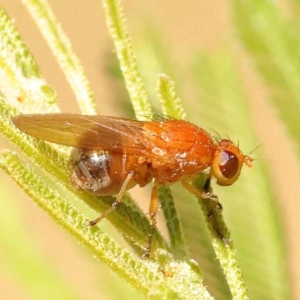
228	164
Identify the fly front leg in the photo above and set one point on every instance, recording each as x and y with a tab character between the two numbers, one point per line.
212	212
117	202
207	188
204	193
153	209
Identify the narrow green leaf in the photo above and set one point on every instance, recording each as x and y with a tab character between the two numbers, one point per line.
223	247
61	47
20	79
118	30
170	102
199	242
177	240
154	57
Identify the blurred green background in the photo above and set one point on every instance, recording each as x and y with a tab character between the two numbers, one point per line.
235	65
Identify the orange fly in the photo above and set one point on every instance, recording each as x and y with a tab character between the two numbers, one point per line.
112	155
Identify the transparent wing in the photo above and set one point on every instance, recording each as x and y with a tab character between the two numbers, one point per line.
159	140
92	132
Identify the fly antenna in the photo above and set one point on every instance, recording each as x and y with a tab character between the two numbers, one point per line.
255	149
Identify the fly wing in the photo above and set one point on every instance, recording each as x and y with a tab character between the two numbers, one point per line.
91	132
163	141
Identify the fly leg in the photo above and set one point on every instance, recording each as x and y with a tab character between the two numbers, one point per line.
207	188
153	209
204	193
116	203
213	213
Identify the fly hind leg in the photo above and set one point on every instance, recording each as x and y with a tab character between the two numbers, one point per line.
153	209
117	202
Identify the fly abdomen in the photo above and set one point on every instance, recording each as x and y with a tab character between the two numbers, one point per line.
100	173
103	173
